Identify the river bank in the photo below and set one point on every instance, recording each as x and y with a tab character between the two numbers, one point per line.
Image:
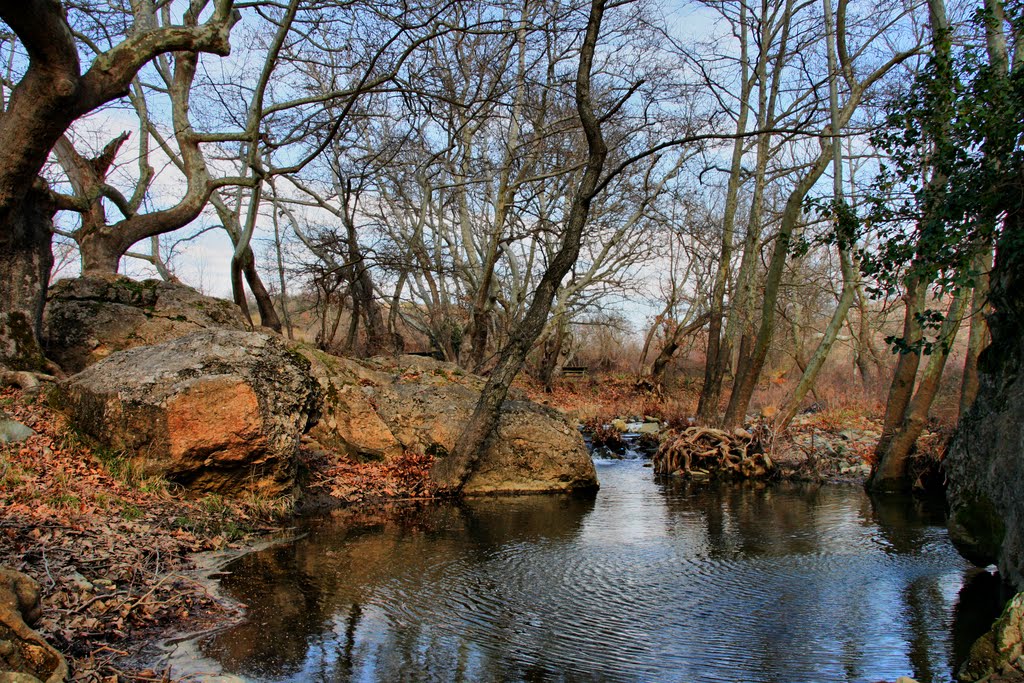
114	552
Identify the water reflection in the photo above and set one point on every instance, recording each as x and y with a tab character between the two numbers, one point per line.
647	581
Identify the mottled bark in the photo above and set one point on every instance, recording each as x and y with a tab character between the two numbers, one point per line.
25	262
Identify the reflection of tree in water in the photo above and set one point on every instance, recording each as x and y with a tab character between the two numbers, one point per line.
309	601
784	581
906	523
749	519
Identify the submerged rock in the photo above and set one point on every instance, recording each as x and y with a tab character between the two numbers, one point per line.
89	318
218	411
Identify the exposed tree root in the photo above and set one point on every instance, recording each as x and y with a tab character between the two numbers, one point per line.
705	453
22	379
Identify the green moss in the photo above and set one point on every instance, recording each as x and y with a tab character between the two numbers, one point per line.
299	358
130	511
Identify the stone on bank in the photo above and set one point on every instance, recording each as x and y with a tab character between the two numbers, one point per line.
219	411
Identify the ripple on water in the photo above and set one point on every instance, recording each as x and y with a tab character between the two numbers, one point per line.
648	581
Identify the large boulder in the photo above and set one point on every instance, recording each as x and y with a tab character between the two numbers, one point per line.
984	464
89	318
24	655
384	406
218	411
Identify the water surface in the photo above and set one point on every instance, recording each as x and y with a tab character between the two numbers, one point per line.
648	581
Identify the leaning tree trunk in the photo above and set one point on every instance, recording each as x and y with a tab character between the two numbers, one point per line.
451	472
25	262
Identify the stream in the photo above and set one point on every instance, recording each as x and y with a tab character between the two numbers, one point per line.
648	581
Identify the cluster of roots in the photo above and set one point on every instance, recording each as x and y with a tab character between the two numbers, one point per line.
705	453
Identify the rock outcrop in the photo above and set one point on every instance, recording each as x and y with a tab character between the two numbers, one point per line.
24	655
382	407
218	411
984	464
89	318
222	409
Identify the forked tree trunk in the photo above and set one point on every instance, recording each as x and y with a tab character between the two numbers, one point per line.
891	474
671	346
25	262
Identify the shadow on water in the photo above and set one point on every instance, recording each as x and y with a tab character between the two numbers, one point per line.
650	580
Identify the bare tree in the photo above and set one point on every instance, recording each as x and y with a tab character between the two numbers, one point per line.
50	95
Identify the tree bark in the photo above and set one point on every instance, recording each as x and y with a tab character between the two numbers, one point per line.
892	469
264	302
25	262
719	354
844	241
451	472
50	96
978	337
672	345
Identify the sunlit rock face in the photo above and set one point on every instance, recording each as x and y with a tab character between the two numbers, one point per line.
218	411
223	410
378	408
89	318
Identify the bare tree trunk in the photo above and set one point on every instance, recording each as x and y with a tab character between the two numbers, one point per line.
905	374
892	448
844	240
672	345
25	262
552	350
979	336
747	378
281	280
264	302
238	290
451	472
715	364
